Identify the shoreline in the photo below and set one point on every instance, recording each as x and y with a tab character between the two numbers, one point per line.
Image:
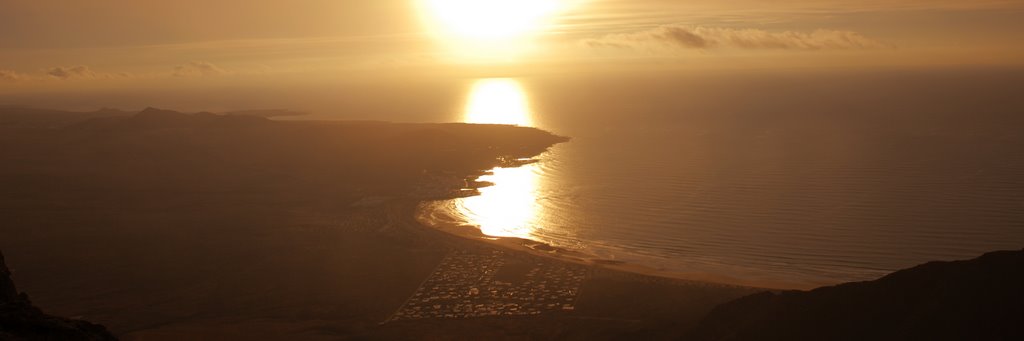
540	249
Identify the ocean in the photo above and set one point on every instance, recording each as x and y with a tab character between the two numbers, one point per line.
842	186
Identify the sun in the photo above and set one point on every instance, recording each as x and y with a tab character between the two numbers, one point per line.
488	19
498	101
488	30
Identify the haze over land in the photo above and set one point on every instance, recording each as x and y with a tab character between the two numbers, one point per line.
165	225
499	169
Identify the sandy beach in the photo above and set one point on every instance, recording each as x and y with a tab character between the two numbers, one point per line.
431	215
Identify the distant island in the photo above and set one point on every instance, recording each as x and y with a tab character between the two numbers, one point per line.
165	225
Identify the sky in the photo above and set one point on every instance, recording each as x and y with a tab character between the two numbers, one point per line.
50	45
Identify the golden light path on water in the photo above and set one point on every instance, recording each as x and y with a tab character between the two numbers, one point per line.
509	208
498	101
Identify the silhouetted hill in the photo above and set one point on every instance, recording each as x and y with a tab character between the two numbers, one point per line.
19	320
19	117
154	113
266	113
978	299
15	117
163	119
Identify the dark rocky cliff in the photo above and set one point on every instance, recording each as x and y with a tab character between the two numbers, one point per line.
977	299
19	320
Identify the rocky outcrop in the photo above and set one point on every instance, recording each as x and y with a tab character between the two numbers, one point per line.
8	293
19	320
978	299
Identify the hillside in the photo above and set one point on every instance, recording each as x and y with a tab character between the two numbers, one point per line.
977	299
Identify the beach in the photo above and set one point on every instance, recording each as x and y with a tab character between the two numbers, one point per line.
430	215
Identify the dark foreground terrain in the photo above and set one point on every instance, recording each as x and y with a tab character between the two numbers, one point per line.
19	320
978	299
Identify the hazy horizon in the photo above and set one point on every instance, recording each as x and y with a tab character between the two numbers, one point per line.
511	169
168	54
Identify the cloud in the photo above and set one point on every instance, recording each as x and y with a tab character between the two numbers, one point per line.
198	68
675	37
8	75
80	72
72	72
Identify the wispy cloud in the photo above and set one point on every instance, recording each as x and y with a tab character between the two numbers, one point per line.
71	72
84	72
80	72
8	75
677	37
611	16
198	68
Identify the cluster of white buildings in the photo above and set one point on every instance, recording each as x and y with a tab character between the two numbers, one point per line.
464	286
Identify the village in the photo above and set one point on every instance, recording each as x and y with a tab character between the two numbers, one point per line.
488	283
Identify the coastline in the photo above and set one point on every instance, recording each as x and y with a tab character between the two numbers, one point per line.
427	211
320	247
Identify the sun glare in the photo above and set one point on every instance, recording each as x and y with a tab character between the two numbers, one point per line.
489	19
498	101
488	29
509	208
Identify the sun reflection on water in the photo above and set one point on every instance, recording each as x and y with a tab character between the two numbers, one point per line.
509	208
498	101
